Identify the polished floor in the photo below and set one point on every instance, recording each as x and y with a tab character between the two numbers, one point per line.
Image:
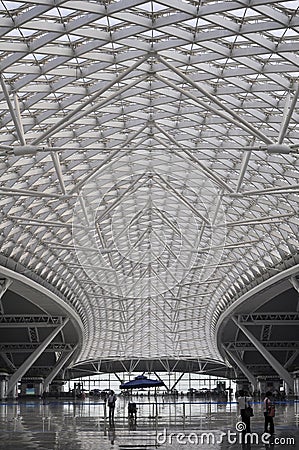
82	425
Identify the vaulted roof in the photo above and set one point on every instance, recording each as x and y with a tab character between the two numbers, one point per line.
149	161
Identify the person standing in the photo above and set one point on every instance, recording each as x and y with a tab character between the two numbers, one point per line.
111	405
269	413
244	401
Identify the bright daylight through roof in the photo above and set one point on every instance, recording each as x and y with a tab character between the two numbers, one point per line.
149	187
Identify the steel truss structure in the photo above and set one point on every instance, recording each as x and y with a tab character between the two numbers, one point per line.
29	320
275	345
269	318
148	165
27	347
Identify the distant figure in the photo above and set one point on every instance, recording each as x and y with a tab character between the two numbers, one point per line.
132	411
244	402
269	413
111	405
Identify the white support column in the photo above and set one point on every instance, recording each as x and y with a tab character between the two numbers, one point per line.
20	372
251	378
279	369
60	363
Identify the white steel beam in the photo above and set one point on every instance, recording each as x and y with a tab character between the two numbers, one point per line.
170	251
9	363
291	359
279	369
46	223
84	112
89	266
68	118
242	122
60	363
132	187
31	193
205	169
174	227
169	188
245	161
107	160
206	106
84	209
12	111
57	166
29	320
18	116
258	220
79	247
291	188
20	372
294	282
287	117
240	244
244	369
3	288
219	202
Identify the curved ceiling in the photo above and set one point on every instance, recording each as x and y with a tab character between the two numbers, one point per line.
270	313
31	314
148	161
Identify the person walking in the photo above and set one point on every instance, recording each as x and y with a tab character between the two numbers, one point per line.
269	413
111	405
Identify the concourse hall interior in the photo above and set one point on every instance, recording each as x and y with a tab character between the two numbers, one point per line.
149	227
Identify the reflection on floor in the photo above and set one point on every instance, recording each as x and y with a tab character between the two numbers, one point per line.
68	425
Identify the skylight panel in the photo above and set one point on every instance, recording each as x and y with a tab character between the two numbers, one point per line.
113	22
152	6
11	6
290	32
14	33
291	4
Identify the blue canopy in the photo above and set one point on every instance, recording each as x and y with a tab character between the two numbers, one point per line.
141	382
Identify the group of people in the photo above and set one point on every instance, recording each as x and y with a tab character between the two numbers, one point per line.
110	400
244	401
246	412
